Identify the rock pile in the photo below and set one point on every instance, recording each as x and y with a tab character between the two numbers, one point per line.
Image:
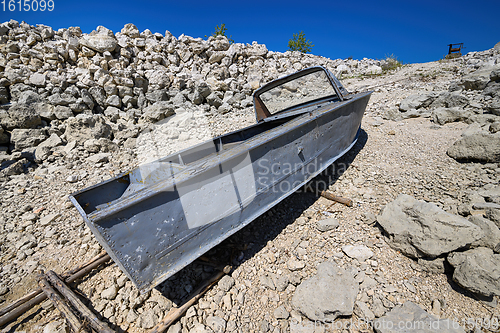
66	83
481	109
423	230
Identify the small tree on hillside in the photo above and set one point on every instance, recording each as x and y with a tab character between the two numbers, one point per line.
221	31
299	43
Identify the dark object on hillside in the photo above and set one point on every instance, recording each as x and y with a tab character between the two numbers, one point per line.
160	217
455	50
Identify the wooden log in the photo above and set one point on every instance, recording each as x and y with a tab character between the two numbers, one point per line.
96	324
176	313
59	303
333	197
37	292
22	305
329	195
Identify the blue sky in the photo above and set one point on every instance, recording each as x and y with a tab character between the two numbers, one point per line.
414	31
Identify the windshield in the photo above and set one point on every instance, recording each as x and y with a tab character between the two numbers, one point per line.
307	88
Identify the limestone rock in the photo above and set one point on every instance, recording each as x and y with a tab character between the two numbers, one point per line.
99	42
479	79
362	310
327	224
493	215
130	30
319	297
444	115
281	313
491	238
25	138
373	70
477	270
38	79
359	252
98	158
158	111
217	324
84	127
110	293
478	147
4	138
52	141
435	266
226	283
450	100
147	319
411	318
15	168
417	102
419	229
19	116
45	111
29	97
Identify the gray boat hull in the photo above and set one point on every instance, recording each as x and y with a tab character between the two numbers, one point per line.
154	228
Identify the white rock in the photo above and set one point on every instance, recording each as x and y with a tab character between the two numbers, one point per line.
359	252
49	218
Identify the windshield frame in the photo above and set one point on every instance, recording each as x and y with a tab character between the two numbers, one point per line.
262	112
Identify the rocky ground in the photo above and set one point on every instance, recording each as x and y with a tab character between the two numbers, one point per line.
420	243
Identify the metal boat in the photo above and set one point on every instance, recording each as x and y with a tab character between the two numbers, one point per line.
158	218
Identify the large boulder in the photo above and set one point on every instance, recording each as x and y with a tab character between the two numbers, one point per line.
19	116
131	30
479	79
158	111
477	270
450	100
493	215
255	50
493	88
479	147
414	102
320	298
420	229
411	318
84	127
26	138
444	115
491	238
101	40
29	97
45	111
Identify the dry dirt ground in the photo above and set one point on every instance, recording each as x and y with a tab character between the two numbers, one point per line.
390	158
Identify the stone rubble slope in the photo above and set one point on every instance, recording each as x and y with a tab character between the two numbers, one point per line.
77	109
65	82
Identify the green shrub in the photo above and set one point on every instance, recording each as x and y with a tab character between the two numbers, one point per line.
299	43
221	31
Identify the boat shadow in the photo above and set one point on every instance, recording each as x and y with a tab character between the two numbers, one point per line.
250	240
